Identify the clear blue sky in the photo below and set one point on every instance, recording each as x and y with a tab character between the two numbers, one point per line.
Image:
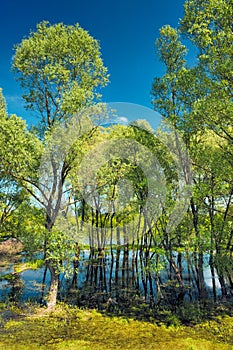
126	30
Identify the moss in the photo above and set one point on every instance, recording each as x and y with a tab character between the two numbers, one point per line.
30	265
7	277
72	328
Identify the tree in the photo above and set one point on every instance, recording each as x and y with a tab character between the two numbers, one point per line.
2	105
175	94
11	198
198	102
20	152
213	198
60	69
208	24
11	195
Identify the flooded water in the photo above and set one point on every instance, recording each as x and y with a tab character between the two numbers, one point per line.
116	277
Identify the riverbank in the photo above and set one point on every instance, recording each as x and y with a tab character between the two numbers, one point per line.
75	329
10	247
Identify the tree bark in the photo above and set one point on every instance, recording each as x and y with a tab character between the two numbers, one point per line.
52	296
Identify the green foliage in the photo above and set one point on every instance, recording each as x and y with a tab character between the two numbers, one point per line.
168	43
20	150
2	105
60	68
208	24
11	198
198	102
28	225
30	265
61	246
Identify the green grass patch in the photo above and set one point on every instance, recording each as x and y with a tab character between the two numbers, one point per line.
72	328
29	265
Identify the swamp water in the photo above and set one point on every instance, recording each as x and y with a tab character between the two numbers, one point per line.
116	278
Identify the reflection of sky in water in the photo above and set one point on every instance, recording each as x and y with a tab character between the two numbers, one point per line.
31	288
208	280
32	283
4	270
32	279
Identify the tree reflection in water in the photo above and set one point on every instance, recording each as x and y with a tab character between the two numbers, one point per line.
122	279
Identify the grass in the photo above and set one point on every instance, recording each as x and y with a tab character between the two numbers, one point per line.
75	329
29	265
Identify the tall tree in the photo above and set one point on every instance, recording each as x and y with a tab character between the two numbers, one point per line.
174	96
196	100
60	69
208	24
11	195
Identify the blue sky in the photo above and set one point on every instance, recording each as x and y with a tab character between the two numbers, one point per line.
126	30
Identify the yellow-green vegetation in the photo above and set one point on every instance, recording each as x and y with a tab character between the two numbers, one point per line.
19	268
32	265
72	328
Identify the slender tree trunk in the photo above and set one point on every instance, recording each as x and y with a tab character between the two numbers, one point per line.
213	276
202	286
111	271
177	272
223	287
43	285
76	264
54	283
118	252
118	235
52	296
111	231
157	281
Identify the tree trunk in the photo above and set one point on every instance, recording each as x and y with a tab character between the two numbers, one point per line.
52	296
223	285
201	280
213	276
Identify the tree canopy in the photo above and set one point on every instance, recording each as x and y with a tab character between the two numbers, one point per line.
60	69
